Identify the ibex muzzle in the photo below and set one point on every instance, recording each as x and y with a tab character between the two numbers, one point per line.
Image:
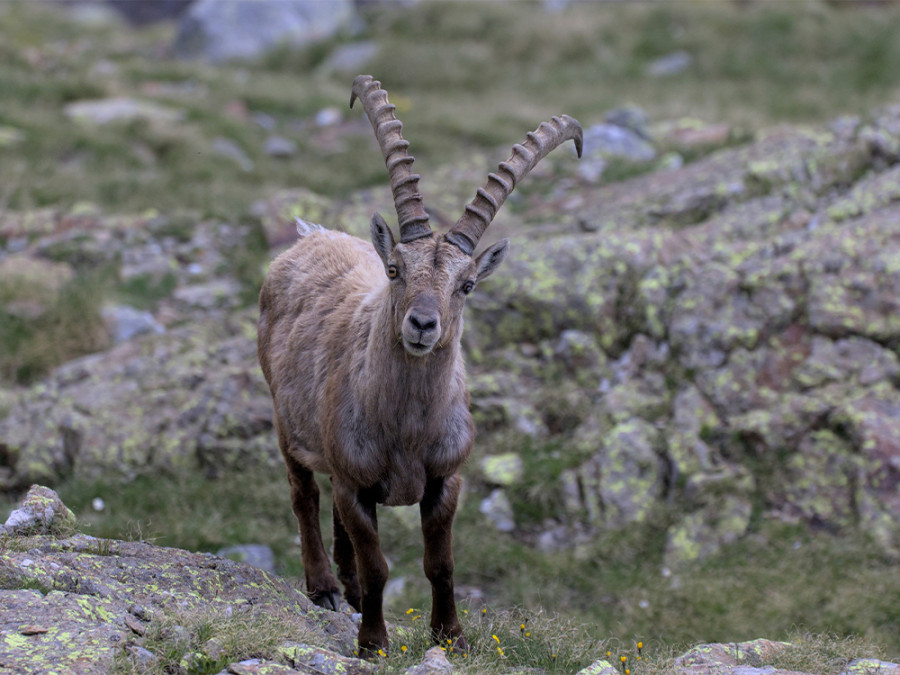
421	325
339	321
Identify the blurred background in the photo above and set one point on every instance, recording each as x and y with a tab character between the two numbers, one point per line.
685	379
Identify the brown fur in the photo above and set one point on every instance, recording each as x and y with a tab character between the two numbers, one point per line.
389	426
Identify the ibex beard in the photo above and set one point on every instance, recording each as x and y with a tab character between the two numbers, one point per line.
360	345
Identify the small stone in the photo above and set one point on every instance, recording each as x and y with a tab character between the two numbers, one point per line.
630	117
435	662
328	117
33	629
213	649
670	64
611	140
498	510
394	589
10	136
228	148
124	323
42	512
599	667
278	146
140	612
350	58
258	555
503	469
135	625
144	658
105	111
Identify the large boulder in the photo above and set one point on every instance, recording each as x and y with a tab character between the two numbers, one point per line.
747	305
222	30
87	605
193	398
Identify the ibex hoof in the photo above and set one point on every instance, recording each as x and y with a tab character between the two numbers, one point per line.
327	599
456	645
372	648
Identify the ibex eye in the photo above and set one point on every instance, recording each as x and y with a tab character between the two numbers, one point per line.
468	286
392	272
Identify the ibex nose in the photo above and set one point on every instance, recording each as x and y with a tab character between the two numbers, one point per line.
421	327
423	322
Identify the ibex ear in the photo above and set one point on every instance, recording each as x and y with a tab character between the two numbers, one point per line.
488	261
382	237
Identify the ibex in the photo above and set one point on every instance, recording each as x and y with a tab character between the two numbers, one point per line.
360	345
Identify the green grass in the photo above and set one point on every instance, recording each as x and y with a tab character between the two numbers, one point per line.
203	641
68	325
776	581
466	77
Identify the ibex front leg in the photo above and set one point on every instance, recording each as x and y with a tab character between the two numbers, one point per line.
357	513
438	508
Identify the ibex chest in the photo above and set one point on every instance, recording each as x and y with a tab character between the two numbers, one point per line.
395	453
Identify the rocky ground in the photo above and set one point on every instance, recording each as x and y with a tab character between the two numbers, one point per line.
76	603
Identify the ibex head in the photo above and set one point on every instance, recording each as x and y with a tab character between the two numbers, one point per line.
430	276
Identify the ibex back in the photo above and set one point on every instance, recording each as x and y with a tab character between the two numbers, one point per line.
360	346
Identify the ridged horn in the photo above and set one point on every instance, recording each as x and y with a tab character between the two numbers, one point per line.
404	183
488	199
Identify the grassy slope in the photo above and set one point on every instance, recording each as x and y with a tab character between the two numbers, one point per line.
463	76
462	79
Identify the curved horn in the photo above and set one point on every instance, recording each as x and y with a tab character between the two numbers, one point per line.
481	211
404	183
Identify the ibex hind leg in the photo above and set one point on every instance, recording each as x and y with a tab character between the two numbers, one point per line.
321	586
357	514
438	508
345	557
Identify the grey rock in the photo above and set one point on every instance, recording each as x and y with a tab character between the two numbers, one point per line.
149	11
503	469
90	587
127	322
42	512
279	146
876	666
435	662
670	64
142	657
630	117
309	659
215	293
222	30
612	140
498	510
599	667
193	398
228	148
394	589
257	555
350	58
328	117
10	136
121	109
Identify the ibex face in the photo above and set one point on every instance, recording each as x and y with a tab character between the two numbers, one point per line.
429	280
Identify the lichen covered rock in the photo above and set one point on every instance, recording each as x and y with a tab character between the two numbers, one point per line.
82	604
